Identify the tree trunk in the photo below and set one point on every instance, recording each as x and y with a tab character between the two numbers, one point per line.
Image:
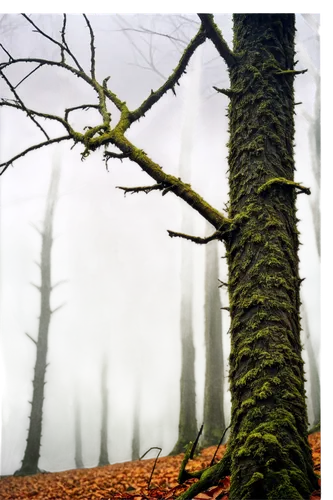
104	457
78	437
214	422
270	454
32	451
136	429
187	428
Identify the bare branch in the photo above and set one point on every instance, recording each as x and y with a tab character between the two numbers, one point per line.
221	440
57	308
222	283
152	472
61	282
173	79
22	104
33	148
8	54
292	72
228	92
141	189
214	33
36	228
92	48
29	74
82	106
63	38
31	338
63	48
32	112
36	286
196	239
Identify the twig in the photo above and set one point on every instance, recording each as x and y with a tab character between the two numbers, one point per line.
196	442
141	189
57	308
61	282
92	47
29	74
31	338
199	39
196	239
221	440
222	283
152	472
33	148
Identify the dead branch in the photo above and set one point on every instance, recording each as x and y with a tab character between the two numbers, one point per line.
92	48
196	239
63	48
152	472
214	33
141	189
220	442
57	308
31	338
228	92
36	286
6	164
61	282
173	79
36	228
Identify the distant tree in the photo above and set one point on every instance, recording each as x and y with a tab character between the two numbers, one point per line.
136	429
78	437
104	455
214	423
268	454
32	450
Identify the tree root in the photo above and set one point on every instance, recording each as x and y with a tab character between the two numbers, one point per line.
210	476
207	477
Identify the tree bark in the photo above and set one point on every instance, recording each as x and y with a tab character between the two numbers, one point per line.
32	450
270	454
214	422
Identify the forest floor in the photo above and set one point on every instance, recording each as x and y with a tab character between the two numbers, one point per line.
129	480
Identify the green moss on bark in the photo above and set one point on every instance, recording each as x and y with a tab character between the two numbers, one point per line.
270	455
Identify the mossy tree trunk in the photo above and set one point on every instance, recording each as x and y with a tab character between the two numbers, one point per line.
270	454
104	456
32	450
214	422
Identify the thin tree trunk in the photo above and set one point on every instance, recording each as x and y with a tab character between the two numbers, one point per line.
214	422
313	370
78	437
269	452
104	457
187	428
136	438
32	451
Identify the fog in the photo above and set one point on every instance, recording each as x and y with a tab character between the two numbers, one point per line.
122	270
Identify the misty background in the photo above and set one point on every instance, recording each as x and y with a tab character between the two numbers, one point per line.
123	272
